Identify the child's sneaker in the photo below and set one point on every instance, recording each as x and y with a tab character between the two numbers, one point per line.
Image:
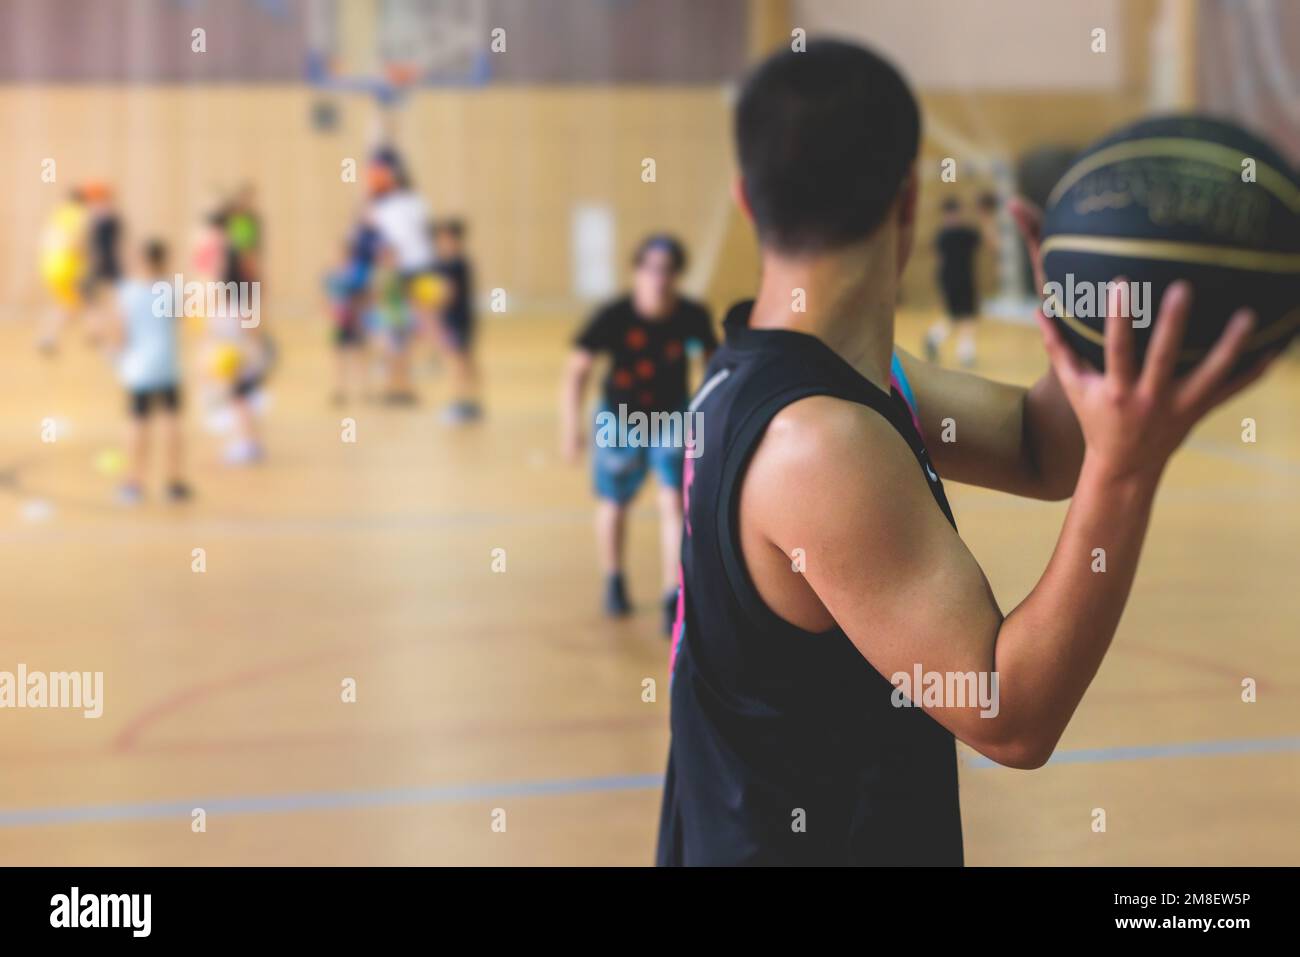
460	413
243	453
616	603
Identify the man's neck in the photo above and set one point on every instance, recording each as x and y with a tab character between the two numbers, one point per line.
848	298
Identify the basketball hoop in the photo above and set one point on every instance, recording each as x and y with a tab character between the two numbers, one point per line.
401	73
399	77
388	47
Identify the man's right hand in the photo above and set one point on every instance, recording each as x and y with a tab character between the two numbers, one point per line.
1133	419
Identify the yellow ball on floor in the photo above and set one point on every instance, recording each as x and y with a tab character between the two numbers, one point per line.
429	290
110	462
225	361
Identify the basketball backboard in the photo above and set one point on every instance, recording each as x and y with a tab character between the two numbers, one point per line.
382	46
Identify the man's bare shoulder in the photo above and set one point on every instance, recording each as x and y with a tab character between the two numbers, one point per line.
829	434
830	459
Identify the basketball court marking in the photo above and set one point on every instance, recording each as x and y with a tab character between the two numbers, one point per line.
267	527
1254	459
161	763
1180	749
458	793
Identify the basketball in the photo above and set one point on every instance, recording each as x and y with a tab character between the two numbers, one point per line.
1179	197
110	462
225	361
61	270
429	290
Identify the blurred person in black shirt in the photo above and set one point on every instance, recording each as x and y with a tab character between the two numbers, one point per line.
456	316
646	335
956	244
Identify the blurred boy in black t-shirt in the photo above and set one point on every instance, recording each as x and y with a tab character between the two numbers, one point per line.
646	336
457	319
956	245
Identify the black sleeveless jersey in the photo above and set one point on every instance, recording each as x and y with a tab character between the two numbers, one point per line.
786	748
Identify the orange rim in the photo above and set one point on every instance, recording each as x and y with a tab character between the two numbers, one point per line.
401	74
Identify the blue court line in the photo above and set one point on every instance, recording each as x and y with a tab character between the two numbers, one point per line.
325	800
1243	454
448	794
1143	752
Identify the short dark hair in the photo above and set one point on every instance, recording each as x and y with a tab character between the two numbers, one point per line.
455	228
387	155
825	139
665	242
155	253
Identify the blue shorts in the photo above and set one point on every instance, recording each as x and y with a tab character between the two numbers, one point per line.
618	471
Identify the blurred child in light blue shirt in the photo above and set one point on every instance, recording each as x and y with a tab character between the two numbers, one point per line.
149	367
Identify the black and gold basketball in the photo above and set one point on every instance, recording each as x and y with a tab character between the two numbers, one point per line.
1177	197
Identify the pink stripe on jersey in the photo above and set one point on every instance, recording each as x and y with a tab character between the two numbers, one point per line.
688	476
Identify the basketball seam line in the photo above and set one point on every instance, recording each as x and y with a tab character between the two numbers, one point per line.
1265	335
1230	256
1222	156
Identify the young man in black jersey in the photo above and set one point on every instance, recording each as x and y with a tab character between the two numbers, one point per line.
956	245
821	565
647	335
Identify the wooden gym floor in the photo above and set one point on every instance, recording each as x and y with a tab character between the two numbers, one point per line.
479	690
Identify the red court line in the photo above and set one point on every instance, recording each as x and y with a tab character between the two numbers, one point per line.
186	697
1209	666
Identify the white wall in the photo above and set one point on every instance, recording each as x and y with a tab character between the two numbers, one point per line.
982	44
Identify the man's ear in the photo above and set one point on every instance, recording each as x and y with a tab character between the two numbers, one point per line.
741	198
907	199
907	205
